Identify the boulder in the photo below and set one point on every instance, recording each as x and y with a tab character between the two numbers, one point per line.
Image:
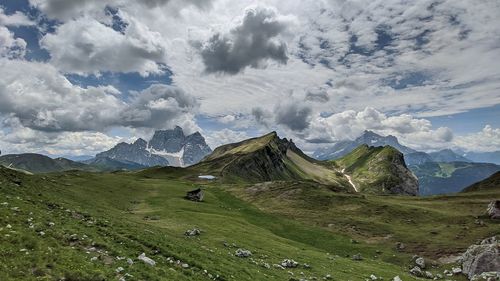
195	195
192	232
494	209
357	257
420	262
481	258
242	253
288	263
146	260
416	271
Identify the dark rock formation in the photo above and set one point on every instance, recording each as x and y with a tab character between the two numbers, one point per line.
195	195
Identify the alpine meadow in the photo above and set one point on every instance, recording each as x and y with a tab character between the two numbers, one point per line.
343	140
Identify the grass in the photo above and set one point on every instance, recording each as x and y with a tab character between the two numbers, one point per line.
124	214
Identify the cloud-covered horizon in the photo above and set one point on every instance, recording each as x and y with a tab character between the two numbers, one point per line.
76	77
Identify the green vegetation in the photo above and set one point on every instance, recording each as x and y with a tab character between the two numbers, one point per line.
110	215
378	170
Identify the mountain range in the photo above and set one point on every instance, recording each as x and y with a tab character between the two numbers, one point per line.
444	171
269	158
165	148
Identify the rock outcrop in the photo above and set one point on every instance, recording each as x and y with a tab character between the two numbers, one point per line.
481	258
493	210
195	195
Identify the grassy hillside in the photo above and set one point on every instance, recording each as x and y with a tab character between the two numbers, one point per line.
37	163
435	227
84	226
491	183
267	158
378	170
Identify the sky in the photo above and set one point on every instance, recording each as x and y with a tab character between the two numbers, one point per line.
79	76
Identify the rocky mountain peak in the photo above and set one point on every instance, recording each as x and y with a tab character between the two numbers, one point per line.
166	147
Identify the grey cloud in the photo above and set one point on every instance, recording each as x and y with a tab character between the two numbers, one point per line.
86	46
247	45
40	98
158	106
293	115
261	116
71	9
317	96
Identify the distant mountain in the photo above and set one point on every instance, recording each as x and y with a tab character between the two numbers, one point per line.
166	148
105	164
483	157
132	153
447	155
492	182
179	149
441	178
379	170
369	138
37	163
417	158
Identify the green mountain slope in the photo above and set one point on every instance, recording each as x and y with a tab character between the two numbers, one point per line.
491	183
378	170
267	158
37	163
85	226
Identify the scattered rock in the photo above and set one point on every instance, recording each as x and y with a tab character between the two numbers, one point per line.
357	257
416	271
397	278
192	232
428	275
420	262
490	240
494	209
242	253
195	195
481	258
146	260
456	270
130	261
93	259
185	265
400	246
288	263
373	277
488	276
119	269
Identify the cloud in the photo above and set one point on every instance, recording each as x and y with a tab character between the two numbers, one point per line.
21	139
11	47
487	140
87	46
414	132
64	10
40	98
161	106
217	138
15	19
249	44
293	115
